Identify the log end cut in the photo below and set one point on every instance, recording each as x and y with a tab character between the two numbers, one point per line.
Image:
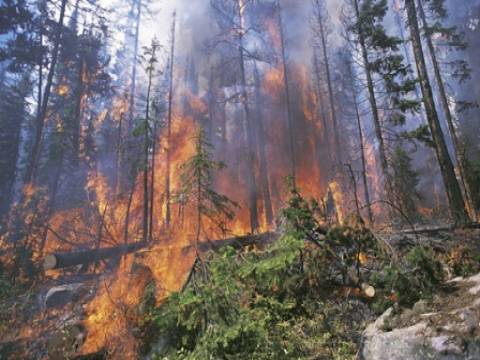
49	262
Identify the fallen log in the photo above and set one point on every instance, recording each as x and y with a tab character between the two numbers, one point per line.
81	257
62	260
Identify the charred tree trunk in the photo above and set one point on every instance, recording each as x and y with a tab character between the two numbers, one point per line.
146	150
169	127
321	105
77	116
458	147
40	124
250	135
291	135
263	163
454	193
152	180
67	259
127	212
118	162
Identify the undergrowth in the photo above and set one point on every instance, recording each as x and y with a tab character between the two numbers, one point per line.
300	298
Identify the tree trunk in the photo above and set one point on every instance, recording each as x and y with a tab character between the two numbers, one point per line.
35	153
118	162
458	147
263	163
250	135
134	67
127	212
454	193
81	257
321	105
169	127
291	135
152	180
146	149
77	125
323	40
361	139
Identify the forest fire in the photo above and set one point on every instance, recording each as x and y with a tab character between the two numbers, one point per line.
178	194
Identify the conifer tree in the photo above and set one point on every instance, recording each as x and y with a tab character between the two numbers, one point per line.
452	39
452	187
196	179
385	71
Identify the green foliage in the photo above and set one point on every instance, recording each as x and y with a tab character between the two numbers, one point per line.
413	277
404	182
264	305
421	133
385	59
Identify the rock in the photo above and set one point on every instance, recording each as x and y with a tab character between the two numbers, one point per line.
448	328
59	296
65	343
420	307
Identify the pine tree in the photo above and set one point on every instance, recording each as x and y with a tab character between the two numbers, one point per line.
196	179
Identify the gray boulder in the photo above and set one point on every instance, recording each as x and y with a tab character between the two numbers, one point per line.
447	328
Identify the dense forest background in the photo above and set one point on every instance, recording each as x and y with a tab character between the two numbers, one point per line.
128	124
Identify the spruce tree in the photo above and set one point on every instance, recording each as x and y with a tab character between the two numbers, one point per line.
196	179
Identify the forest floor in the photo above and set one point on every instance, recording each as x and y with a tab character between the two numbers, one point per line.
46	320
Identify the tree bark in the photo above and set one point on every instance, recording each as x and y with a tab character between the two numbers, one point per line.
263	162
250	135
62	260
454	193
